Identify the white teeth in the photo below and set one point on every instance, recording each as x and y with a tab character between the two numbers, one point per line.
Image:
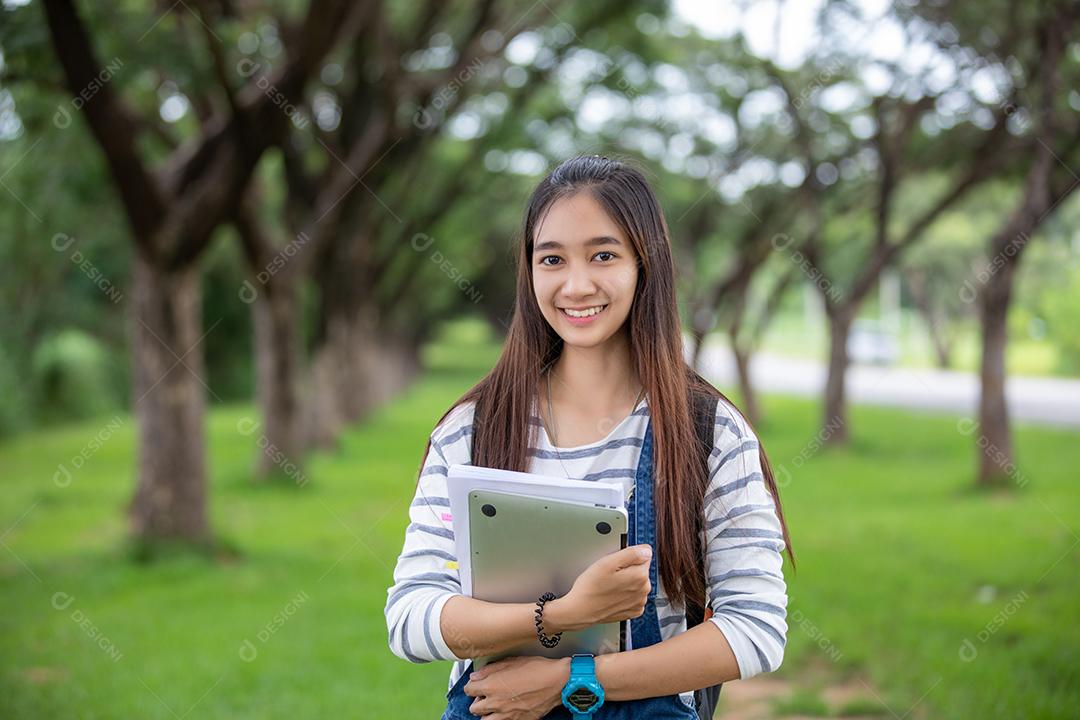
588	312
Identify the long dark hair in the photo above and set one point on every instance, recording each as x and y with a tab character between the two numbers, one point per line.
504	397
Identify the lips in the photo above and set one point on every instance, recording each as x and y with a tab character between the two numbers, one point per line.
593	313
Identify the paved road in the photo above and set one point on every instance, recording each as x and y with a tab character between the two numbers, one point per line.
1049	401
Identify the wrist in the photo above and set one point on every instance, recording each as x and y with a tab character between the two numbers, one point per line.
606	677
583	694
563	666
558	617
561	677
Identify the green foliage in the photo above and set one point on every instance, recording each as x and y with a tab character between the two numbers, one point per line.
15	391
227	322
704	115
71	377
1062	313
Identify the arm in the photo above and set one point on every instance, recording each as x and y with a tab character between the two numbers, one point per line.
697	658
744	579
473	628
744	542
427	617
613	588
426	575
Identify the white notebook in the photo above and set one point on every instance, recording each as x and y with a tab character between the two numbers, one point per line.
462	479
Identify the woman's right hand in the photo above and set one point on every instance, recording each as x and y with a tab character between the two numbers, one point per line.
613	588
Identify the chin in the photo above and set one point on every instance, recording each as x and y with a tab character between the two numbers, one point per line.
587	337
584	344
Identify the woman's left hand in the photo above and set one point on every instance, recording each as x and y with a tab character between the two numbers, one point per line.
518	688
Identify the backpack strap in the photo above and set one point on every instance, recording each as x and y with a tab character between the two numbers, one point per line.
703	407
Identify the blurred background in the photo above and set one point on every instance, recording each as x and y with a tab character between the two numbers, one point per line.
252	251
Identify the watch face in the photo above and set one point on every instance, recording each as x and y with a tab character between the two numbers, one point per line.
582	698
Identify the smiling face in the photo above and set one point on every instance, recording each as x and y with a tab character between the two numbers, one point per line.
584	271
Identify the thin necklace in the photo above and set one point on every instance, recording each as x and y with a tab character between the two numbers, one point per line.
551	417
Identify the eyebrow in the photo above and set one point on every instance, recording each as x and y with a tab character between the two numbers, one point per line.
600	240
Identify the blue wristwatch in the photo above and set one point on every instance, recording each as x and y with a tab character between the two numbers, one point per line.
583	694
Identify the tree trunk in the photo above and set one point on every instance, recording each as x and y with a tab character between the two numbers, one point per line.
995	438
941	347
335	366
397	364
169	500
358	367
1045	188
702	320
697	342
746	387
920	295
835	417
356	363
278	366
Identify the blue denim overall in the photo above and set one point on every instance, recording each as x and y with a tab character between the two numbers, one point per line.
645	630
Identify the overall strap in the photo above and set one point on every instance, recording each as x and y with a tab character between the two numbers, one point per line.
645	629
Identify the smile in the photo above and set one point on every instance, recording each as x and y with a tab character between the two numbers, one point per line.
584	313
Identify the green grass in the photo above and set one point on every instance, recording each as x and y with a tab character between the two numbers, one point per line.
895	557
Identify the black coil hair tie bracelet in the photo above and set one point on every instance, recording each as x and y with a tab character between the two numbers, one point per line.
546	641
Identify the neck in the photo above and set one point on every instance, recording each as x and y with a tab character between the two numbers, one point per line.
598	378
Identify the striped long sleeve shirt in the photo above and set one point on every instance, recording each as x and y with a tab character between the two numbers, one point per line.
745	582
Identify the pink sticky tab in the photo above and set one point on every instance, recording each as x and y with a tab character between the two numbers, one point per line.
447	516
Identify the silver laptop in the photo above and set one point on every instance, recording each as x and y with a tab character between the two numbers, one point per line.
523	547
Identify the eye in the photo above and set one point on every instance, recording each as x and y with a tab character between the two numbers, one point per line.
603	255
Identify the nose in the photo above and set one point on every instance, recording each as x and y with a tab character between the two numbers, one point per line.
579	282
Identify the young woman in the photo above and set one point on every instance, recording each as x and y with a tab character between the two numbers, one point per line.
592	385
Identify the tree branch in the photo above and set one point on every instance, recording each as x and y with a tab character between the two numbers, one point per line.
229	154
110	121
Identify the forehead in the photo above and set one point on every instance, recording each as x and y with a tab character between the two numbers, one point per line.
575	220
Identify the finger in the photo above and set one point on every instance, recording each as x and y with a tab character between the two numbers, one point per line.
632	556
489	668
480	707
